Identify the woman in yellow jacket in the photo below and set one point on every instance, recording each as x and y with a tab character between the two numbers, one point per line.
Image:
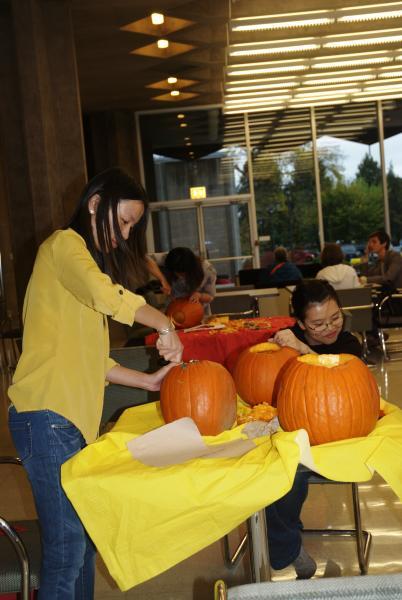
82	275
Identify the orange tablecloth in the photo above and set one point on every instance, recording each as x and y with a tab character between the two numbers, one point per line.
224	345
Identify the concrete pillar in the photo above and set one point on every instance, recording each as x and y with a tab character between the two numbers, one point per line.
42	149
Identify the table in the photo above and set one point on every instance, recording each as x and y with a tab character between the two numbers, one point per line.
224	345
143	520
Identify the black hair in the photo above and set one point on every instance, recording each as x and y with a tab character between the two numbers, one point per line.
125	264
183	260
383	237
310	292
332	255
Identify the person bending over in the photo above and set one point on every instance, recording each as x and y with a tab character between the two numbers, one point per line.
319	329
82	274
183	274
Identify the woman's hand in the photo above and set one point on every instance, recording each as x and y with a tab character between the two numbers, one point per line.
170	347
203	298
132	378
155	379
195	297
286	337
166	287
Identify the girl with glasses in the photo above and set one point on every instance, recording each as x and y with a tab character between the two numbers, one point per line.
319	329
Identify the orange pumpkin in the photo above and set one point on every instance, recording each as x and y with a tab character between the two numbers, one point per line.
257	370
185	313
203	390
332	396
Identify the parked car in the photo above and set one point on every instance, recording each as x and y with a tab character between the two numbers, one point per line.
350	251
300	256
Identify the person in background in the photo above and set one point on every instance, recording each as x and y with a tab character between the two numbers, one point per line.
283	270
318	330
185	275
340	276
387	269
82	274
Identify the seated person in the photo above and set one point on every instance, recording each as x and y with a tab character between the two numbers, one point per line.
340	276
182	273
283	270
318	330
387	268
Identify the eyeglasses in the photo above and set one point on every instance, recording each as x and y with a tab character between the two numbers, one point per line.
334	322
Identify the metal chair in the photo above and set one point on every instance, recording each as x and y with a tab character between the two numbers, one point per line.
386	586
235	306
358	305
389	314
19	569
362	537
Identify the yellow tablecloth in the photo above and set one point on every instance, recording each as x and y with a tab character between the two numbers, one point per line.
144	519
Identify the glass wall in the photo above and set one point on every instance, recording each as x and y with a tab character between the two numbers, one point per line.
350	174
204	148
194	148
392	117
284	185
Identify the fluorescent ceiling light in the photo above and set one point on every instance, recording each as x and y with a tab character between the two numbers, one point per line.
372	12
266	100
286	20
268	86
253	94
307	44
314	18
338	79
267	67
344	60
276	47
345	40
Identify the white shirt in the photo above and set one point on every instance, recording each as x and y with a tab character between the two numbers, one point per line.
341	277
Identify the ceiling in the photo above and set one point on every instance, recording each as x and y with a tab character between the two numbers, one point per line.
111	77
119	65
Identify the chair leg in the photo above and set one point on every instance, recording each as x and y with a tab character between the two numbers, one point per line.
383	346
256	537
364	345
257	532
232	560
363	538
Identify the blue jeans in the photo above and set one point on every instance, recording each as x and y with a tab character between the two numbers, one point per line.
283	522
44	441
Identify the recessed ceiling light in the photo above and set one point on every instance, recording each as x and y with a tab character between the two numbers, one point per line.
183	124
181	116
157	18
188	144
172	80
174	93
163	43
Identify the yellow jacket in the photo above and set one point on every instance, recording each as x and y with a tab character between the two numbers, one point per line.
65	354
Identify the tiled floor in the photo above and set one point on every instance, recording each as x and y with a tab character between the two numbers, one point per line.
326	505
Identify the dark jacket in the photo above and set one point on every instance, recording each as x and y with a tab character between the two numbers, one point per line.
387	271
283	272
346	343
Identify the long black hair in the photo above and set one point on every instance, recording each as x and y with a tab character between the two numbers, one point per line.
183	260
125	264
310	292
